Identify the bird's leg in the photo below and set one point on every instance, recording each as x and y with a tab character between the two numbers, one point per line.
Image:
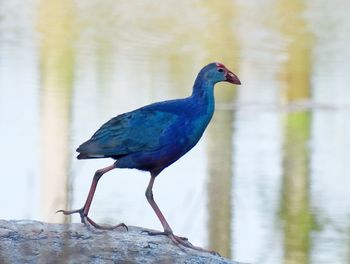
167	230
84	211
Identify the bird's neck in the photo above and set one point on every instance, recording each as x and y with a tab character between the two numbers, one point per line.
203	95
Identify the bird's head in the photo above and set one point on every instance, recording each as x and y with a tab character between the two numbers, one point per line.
217	72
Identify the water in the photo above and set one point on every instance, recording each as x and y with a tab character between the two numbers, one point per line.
268	182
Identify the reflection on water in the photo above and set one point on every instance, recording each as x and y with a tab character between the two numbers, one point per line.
295	209
295	200
220	182
56	84
269	181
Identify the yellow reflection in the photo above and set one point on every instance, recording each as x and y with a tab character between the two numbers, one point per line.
221	45
295	74
295	207
220	182
297	70
56	25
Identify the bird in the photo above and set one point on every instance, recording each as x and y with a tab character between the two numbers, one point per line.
152	138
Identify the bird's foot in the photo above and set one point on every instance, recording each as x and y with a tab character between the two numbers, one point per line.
87	220
94	224
164	233
80	211
180	241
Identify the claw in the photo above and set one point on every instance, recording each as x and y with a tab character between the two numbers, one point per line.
183	241
154	233
164	233
66	212
85	219
79	211
94	224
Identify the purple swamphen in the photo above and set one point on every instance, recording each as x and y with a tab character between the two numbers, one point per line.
153	137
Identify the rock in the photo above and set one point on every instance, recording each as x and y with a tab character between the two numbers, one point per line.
27	241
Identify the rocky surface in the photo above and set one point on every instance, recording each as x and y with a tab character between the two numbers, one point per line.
27	241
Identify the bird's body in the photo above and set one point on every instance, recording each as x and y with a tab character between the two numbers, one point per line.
154	136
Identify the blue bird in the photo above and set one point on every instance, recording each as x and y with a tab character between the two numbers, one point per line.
153	137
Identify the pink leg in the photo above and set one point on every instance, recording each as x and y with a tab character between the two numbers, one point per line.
84	211
167	230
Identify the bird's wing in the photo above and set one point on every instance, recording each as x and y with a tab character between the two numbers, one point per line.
140	130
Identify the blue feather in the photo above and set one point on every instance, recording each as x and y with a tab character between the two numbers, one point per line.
154	136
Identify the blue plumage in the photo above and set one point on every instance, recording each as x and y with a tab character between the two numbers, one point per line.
155	136
159	131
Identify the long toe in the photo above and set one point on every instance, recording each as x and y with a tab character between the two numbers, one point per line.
66	212
78	211
182	241
156	233
94	224
164	233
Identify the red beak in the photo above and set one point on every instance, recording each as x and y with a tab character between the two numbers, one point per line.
232	78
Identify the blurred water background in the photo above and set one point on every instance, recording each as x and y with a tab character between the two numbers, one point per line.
268	183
